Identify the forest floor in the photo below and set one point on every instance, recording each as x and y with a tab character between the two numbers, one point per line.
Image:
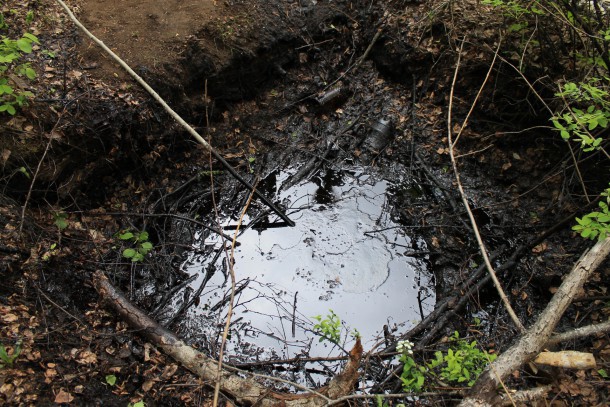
93	155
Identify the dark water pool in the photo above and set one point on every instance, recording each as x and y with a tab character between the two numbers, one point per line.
345	254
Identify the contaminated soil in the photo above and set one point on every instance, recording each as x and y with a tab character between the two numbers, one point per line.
289	93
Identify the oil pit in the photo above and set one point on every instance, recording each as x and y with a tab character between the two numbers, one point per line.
345	254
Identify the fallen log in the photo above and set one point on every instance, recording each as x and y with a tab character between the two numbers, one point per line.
244	391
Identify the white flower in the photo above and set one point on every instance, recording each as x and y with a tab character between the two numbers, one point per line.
405	347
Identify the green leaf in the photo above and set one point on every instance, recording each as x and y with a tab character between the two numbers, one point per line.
129	253
603	373
6	89
143	236
603	218
126	236
60	221
31	37
147	246
25	45
30	73
111	379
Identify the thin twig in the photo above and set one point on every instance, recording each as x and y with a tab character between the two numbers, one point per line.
452	145
44	154
225	333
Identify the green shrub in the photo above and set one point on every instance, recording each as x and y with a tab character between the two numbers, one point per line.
12	52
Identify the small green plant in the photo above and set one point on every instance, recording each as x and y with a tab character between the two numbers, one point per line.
413	376
111	379
6	359
597	223
141	245
53	250
137	404
380	403
24	171
588	109
11	51
514	9
462	364
3	25
328	328
60	220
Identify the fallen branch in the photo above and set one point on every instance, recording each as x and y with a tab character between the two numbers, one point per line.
581	332
176	116
484	391
242	390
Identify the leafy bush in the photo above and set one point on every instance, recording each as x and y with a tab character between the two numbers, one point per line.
597	223
588	109
12	52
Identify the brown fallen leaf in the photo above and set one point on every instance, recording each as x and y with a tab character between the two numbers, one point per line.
148	385
63	397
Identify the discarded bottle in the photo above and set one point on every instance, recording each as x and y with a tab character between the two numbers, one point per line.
380	134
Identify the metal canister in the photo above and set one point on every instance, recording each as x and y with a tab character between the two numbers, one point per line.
380	135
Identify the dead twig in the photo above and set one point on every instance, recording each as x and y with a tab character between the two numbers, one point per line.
579	333
44	154
452	143
225	333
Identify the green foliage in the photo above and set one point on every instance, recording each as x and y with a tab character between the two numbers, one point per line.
6	359
60	220
462	363
328	328
597	223
588	110
413	376
140	245
12	52
603	373
515	9
111	379
137	404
